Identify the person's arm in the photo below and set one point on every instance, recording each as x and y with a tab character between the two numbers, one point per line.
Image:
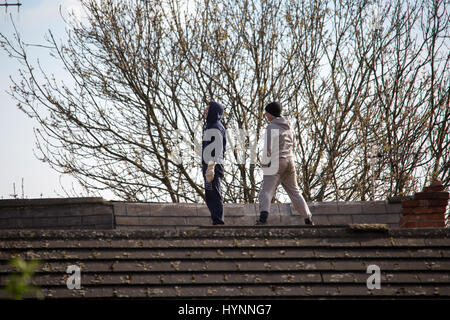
267	149
212	163
294	142
213	150
224	143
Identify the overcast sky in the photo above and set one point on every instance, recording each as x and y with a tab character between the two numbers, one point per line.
17	141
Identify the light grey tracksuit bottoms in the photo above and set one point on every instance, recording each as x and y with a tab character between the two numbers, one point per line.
286	176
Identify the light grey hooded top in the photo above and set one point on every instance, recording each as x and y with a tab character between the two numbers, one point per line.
279	141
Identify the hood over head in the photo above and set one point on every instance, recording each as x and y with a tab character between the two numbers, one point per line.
215	112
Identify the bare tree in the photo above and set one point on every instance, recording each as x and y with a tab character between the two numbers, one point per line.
141	72
435	25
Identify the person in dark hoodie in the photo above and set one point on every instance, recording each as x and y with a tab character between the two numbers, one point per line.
278	165
213	149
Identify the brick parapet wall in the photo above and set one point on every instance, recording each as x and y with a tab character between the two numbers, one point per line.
427	209
96	213
137	215
65	213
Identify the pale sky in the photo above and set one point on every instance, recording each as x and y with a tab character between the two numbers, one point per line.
17	141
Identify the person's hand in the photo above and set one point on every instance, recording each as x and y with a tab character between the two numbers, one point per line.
266	165
210	171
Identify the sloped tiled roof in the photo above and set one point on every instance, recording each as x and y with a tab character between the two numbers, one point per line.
250	262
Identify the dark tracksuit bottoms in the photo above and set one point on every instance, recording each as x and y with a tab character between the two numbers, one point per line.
213	196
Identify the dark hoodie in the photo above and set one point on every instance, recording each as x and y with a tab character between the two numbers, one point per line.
215	114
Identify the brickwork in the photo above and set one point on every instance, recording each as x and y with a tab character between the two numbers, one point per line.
96	213
428	209
68	213
143	215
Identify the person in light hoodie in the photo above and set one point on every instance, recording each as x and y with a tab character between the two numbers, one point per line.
278	165
213	148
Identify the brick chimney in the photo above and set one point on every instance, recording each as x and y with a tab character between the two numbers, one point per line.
428	209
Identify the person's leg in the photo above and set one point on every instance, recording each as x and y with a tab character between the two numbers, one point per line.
289	183
270	184
214	200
